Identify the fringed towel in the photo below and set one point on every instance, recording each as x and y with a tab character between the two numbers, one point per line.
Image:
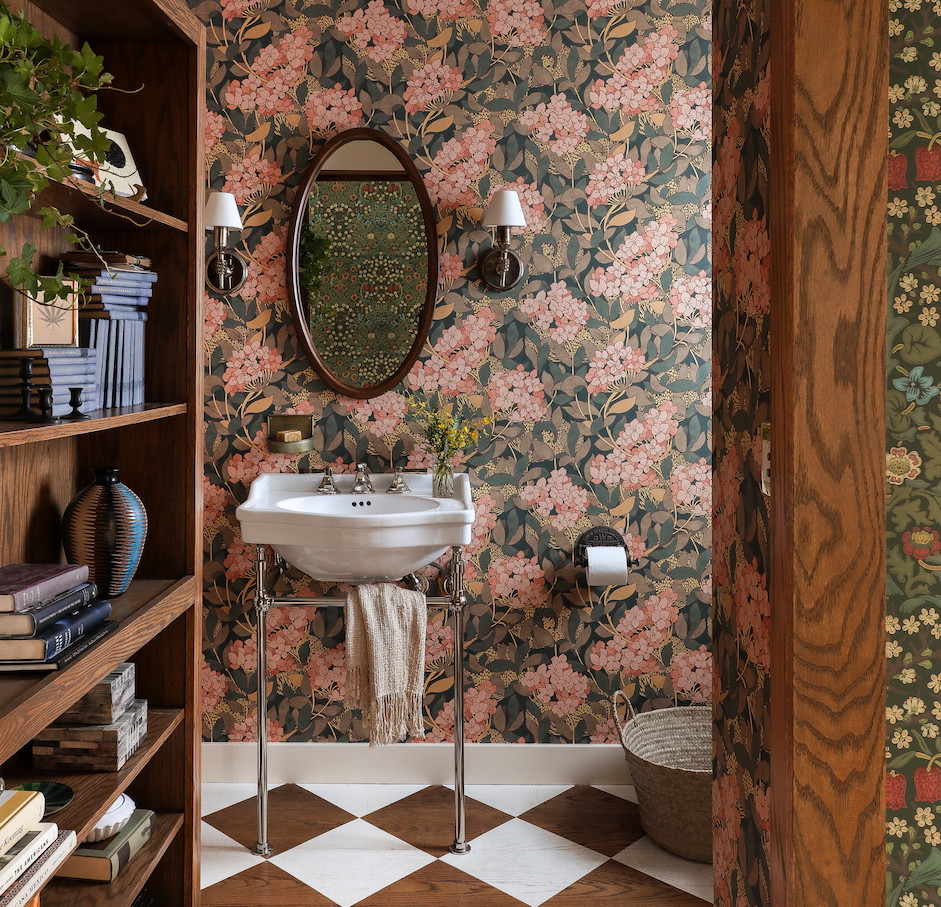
385	660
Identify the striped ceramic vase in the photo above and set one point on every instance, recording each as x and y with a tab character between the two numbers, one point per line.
104	527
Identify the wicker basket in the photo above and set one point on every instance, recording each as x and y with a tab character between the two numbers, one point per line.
669	752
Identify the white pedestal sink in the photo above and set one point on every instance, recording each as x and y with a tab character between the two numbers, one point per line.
355	538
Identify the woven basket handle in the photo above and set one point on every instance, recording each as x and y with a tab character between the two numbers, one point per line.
614	709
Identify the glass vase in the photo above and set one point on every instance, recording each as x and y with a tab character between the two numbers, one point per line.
442	483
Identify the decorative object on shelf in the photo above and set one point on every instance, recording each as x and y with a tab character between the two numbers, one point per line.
46	321
26	413
60	367
75	401
114	819
57	795
45	403
286	425
501	268
104	527
118	173
448	432
226	270
105	702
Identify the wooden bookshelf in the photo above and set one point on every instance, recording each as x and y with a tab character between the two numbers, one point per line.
156	51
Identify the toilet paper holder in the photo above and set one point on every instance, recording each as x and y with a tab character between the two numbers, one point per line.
597	537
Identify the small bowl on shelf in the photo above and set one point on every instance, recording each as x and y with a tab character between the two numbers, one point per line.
293	423
113	820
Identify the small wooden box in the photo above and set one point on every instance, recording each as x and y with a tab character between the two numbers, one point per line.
93	748
105	702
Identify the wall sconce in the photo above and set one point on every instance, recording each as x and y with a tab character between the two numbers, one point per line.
501	268
226	270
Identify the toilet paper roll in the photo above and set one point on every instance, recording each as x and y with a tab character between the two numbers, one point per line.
607	566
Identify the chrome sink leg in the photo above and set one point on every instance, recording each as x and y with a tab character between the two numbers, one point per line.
458	600
262	602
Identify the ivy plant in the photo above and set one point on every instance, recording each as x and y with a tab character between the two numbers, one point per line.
48	107
313	263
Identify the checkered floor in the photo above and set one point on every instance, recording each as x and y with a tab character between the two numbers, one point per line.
385	845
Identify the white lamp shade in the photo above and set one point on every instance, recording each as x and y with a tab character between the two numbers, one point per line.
504	210
222	211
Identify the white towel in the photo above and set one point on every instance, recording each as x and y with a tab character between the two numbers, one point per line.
385	660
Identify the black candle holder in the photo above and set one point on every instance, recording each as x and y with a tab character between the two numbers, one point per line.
45	403
26	413
75	401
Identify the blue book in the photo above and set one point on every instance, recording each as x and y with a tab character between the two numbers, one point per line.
39	617
114	313
48	643
115	289
145	278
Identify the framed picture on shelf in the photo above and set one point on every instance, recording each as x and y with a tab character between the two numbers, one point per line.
52	323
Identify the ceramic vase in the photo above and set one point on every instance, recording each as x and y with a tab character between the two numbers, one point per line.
104	527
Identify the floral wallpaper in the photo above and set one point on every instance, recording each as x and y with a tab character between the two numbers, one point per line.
741	801
913	459
596	368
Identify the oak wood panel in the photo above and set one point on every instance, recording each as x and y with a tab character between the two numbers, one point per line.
155	20
122	891
829	77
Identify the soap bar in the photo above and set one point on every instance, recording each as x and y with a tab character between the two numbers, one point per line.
292	435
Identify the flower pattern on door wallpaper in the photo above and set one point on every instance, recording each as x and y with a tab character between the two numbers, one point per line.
742	336
913	458
596	370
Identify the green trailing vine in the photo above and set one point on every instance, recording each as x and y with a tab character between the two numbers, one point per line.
313	263
47	103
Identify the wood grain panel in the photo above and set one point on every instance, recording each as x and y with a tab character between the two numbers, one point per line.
829	78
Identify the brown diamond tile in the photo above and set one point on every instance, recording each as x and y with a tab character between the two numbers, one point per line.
439	885
264	885
426	819
590	817
294	816
625	886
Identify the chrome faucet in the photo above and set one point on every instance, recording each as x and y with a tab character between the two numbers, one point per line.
398	485
327	485
361	483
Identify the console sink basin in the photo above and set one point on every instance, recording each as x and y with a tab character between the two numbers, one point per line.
355	538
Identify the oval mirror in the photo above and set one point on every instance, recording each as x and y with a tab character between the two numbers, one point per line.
362	263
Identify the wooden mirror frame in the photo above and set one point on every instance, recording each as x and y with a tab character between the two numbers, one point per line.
298	307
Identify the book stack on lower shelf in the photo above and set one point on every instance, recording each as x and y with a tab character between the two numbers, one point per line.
58	367
49	615
31	851
102	861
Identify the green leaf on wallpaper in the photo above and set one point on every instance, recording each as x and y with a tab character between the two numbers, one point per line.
920	344
925	875
914	604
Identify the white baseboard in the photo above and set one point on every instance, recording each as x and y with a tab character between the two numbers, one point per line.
417	763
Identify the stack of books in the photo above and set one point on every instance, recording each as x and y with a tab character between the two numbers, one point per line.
112	321
31	851
61	367
49	615
102	861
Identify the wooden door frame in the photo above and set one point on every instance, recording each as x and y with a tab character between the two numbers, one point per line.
829	79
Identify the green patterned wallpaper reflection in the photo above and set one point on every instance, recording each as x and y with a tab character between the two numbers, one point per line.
364	320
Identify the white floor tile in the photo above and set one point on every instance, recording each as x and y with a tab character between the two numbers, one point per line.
219	796
526	862
352	862
514	799
362	799
647	857
624	791
221	857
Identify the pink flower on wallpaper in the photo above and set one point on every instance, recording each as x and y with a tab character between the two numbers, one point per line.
252	364
642	444
556	124
638	75
640	263
691	674
638	638
691	299
428	84
727	480
557	499
212	686
605	732
445	10
450	266
213	317
726	171
616	176
480	705
753	613
245	731
242	655
215	129
533	205
691	110
268	89
252	178
266	269
233	9
519	394
239	561
460	350
557	686
753	267
439	641
485	519
374	31
418	458
636	547
691	485
727	821
517	581
556	312
246	467
215	498
326	669
617	363
518	22
460	163
380	415
333	110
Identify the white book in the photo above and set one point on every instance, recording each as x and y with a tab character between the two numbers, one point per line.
40	872
25	852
